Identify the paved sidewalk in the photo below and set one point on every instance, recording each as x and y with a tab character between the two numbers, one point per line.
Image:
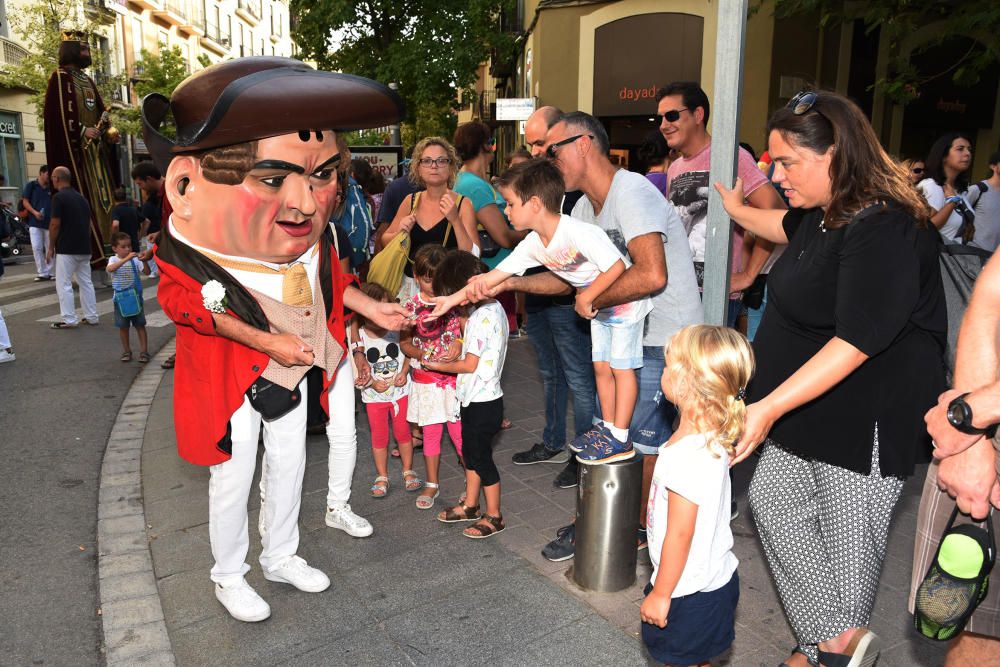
418	593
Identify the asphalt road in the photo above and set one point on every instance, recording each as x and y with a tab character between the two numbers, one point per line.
58	402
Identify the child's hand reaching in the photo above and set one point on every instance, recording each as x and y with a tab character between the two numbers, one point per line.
442	304
585	307
399	380
655	608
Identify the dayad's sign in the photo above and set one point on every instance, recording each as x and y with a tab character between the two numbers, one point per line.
383	159
515	108
635	56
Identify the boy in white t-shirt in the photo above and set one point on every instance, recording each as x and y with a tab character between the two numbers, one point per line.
581	254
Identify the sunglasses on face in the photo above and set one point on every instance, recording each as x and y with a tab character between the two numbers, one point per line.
554	148
436	163
390	366
917	170
671	116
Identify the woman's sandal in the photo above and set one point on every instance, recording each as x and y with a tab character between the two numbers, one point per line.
427	502
381	487
794	651
411	482
487	526
126	356
460	513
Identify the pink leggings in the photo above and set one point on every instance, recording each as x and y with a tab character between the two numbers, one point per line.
379	416
433	433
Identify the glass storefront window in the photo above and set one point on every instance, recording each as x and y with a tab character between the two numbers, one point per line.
11	156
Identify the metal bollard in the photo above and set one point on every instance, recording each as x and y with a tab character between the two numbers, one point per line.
607	518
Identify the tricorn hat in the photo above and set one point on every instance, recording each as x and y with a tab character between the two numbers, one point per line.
252	98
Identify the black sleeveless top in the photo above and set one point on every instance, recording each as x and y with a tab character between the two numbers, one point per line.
419	237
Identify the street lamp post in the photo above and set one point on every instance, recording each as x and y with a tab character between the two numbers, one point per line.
394	129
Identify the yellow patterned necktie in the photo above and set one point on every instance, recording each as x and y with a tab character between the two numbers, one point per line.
295	289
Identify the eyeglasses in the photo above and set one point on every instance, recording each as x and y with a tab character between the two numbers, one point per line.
803	102
554	148
390	366
672	116
436	163
917	170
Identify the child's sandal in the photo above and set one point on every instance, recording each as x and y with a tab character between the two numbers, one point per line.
485	527
460	513
411	482
381	486
427	502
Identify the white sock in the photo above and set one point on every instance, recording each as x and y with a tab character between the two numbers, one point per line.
619	433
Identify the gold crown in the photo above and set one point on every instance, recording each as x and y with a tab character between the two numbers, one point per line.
74	36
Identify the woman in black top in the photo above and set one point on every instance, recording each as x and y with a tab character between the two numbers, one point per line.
850	357
437	215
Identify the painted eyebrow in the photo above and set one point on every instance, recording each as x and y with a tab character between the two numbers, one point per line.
335	160
280	165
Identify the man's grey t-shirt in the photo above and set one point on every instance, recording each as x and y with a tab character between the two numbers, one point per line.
987	208
635	207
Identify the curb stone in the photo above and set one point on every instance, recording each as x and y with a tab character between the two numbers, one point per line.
132	615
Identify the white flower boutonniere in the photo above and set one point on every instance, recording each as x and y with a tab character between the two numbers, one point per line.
213	296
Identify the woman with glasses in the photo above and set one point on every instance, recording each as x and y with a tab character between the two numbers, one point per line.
438	215
849	359
947	179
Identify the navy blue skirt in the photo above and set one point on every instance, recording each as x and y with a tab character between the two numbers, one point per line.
700	626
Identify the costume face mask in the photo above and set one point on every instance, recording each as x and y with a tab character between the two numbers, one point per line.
278	211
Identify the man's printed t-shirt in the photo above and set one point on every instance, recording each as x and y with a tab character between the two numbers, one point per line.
687	183
578	253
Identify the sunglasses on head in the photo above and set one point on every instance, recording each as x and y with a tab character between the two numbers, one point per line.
802	102
671	116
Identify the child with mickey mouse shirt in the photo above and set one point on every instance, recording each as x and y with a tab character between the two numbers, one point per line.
385	397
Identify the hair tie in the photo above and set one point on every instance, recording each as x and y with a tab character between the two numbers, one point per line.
741	394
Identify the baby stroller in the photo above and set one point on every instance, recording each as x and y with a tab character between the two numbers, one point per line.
14	235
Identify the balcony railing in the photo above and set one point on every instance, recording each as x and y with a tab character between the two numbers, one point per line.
216	37
250	10
177	8
11	53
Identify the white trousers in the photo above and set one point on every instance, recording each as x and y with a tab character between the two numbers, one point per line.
4	336
154	269
342	434
68	266
230	484
39	244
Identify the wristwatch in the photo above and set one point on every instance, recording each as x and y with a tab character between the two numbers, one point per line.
960	417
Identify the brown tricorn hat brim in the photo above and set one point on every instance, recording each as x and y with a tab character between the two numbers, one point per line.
253	98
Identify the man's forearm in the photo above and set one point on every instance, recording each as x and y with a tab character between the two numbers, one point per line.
239	331
539	283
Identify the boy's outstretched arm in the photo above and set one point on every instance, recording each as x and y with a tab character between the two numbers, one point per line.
446	303
586	297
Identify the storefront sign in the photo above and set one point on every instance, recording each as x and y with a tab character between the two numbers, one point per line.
515	108
635	56
383	159
8	125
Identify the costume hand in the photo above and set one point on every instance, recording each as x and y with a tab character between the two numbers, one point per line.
739	281
585	308
655	608
390	316
381	386
731	199
971	479
399	380
448	208
948	440
760	419
91	133
289	350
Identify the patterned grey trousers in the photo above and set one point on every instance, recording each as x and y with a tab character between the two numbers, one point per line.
824	531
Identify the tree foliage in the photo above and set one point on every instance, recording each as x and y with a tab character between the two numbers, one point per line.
155	73
431	49
39	25
899	20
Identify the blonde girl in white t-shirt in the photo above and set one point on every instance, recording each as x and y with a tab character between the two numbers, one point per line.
688	613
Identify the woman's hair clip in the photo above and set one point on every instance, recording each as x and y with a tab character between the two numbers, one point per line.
741	394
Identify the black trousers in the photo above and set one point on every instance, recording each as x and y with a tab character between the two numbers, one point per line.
480	424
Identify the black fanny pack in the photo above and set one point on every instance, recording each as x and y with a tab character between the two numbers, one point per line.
272	400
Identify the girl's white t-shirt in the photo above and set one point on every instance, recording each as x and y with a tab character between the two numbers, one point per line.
697	469
486	337
934	194
384	359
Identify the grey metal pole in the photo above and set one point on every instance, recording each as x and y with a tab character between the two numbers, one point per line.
725	142
394	129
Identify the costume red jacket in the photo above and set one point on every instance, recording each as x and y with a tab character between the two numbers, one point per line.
213	373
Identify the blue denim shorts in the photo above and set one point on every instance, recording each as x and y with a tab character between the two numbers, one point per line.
123	322
621	346
653	419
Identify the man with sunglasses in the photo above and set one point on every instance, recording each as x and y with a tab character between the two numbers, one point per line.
682	110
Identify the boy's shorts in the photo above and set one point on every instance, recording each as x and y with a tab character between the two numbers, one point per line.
621	346
123	322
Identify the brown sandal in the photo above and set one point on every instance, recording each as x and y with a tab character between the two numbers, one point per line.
460	513
487	526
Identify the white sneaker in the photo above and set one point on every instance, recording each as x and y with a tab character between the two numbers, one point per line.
347	521
242	601
296	571
7	355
